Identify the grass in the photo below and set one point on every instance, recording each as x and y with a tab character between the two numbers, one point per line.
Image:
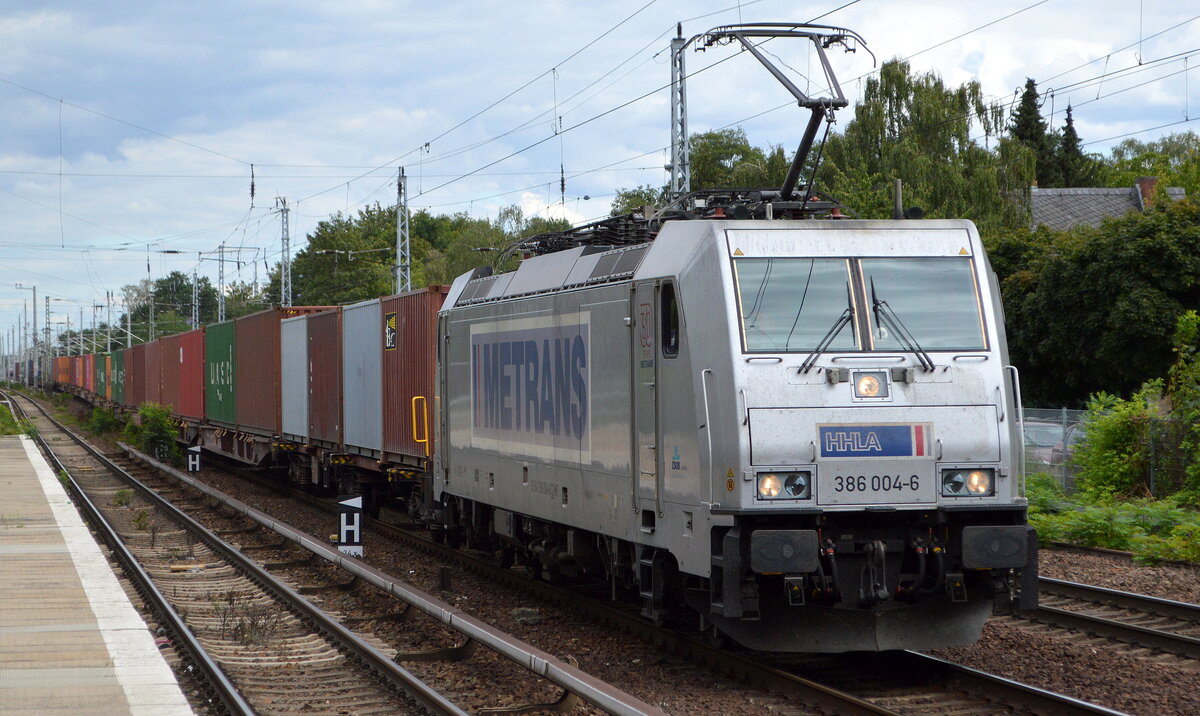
8	424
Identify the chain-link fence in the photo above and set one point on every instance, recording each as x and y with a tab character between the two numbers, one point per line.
1051	438
1054	436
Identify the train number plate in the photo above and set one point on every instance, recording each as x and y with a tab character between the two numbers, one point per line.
845	485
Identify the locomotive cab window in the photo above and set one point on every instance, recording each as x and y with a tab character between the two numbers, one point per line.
669	320
790	304
793	304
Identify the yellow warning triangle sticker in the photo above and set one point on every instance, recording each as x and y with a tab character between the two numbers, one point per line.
730	473
738	252
963	252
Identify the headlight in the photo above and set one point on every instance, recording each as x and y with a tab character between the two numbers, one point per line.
769	486
785	485
966	482
871	384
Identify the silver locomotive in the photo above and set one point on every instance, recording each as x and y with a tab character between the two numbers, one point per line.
805	433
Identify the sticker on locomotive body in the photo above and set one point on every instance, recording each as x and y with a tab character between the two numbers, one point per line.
888	440
530	385
852	472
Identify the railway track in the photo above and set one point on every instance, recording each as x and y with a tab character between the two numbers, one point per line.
257	638
283	696
888	683
1148	622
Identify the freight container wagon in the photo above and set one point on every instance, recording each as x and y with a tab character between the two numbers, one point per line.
409	357
293	367
118	377
220	376
152	369
135	376
362	374
325	425
89	373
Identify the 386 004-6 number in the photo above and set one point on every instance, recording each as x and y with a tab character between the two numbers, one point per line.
876	483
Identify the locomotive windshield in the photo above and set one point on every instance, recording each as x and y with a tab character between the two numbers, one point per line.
935	298
790	304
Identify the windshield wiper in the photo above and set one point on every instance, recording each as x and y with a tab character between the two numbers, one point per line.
886	316
846	317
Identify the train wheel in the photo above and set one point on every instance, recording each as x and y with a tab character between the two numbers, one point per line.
504	557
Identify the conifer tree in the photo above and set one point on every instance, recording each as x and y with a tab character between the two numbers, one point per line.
1074	167
1030	129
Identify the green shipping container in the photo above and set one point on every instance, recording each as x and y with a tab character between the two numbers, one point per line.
101	375
220	373
118	377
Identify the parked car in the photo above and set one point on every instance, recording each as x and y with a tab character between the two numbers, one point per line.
1050	447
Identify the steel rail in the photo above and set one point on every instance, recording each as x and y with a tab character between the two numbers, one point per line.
218	682
1184	611
770	677
424	695
540	662
1015	693
1160	639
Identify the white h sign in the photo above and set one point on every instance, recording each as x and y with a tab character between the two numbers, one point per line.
350	526
194	459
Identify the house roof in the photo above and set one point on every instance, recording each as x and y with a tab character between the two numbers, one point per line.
1066	208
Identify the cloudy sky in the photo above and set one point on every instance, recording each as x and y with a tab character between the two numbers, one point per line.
129	129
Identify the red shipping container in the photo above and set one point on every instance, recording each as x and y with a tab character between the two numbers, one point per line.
108	377
89	372
169	373
182	374
256	339
409	360
135	376
257	365
152	369
325	377
191	375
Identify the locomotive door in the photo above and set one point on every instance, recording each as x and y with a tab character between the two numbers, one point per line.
645	393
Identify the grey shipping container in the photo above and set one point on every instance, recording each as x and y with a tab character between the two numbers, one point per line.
293	363
362	374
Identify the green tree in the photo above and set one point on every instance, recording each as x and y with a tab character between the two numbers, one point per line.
628	201
1028	128
725	158
243	298
1075	169
916	129
1174	159
1095	309
348	259
480	242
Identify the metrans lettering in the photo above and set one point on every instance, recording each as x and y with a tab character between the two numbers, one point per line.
530	384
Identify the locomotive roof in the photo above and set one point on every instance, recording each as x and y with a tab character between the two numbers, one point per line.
572	268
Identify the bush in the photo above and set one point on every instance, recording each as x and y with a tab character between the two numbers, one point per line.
1114	462
153	432
104	421
1153	530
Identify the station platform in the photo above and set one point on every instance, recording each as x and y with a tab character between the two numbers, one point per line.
67	648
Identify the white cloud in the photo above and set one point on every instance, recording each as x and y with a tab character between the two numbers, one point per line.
330	89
